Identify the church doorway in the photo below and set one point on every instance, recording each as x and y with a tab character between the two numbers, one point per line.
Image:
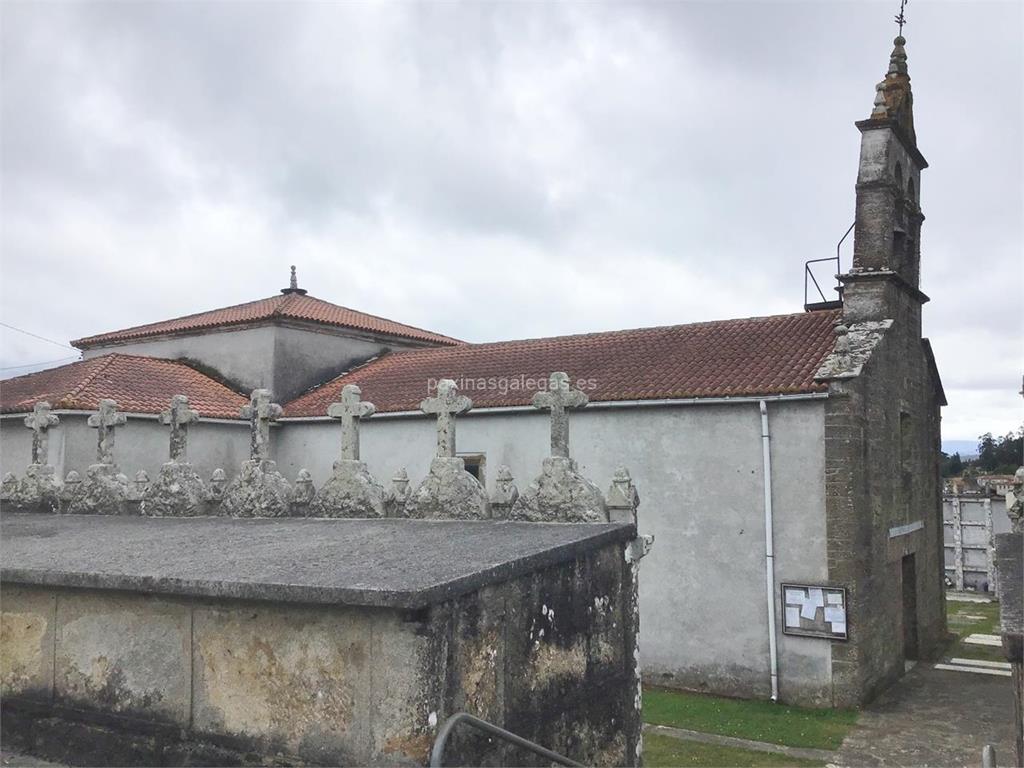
909	583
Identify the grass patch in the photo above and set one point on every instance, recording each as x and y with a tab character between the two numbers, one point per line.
973	618
757	720
666	752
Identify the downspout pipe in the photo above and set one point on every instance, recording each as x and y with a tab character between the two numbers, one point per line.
769	549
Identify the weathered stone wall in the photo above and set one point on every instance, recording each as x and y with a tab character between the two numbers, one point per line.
882	445
107	677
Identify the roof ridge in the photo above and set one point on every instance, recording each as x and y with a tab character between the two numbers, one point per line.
591	334
90	377
173	319
387	319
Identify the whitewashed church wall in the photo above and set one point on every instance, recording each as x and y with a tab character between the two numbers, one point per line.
699	471
240	355
139	444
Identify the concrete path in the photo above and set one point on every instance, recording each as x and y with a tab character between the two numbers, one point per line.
934	717
732	741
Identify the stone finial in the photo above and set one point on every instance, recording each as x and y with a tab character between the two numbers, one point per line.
398	494
505	493
898	57
304	491
293	285
447	404
105	421
1015	501
178	417
622	498
350	410
260	412
40	421
558	397
9	487
218	481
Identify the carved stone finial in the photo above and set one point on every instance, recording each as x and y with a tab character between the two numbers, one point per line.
398	494
218	481
9	487
178	417
350	410
623	498
105	421
505	494
293	285
447	404
557	399
303	493
260	412
40	421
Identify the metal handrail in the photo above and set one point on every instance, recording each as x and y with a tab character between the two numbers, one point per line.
437	753
810	274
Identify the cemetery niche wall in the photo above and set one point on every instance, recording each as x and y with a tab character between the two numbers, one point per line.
181	620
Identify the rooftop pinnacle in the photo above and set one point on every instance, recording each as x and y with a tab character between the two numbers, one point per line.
293	286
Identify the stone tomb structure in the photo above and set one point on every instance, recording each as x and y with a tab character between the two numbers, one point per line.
237	636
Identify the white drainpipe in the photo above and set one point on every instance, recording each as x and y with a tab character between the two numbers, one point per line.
769	549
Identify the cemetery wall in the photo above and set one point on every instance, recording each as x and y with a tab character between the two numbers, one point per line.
699	472
118	677
141	444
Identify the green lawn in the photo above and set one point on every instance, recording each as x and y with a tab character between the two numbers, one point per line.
666	752
973	618
757	720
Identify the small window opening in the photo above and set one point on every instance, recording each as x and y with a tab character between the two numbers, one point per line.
475	463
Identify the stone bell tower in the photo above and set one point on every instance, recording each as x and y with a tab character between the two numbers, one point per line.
887	235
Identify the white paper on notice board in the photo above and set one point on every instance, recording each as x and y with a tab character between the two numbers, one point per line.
795	596
835	598
792	617
816	596
809	610
839	627
835	615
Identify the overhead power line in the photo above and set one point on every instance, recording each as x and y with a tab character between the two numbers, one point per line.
32	365
36	336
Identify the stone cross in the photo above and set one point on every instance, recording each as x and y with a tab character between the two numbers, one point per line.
260	412
178	417
350	410
447	405
40	421
557	399
105	421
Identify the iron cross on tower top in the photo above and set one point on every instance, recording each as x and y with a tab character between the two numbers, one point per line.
901	19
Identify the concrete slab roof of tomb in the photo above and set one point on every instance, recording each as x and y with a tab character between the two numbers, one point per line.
360	562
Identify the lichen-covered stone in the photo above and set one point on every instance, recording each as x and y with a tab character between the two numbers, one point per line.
38	491
103	492
9	487
623	498
449	492
398	495
505	494
351	491
177	492
560	495
258	490
303	494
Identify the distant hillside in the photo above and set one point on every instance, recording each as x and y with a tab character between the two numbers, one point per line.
968	449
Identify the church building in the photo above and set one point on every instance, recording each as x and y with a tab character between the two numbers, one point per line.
787	466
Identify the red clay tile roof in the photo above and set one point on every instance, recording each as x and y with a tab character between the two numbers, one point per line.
291	306
138	384
756	356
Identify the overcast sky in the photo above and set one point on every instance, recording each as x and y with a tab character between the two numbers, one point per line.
500	170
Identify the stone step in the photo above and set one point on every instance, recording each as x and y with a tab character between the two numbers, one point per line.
975	670
981	663
990	640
